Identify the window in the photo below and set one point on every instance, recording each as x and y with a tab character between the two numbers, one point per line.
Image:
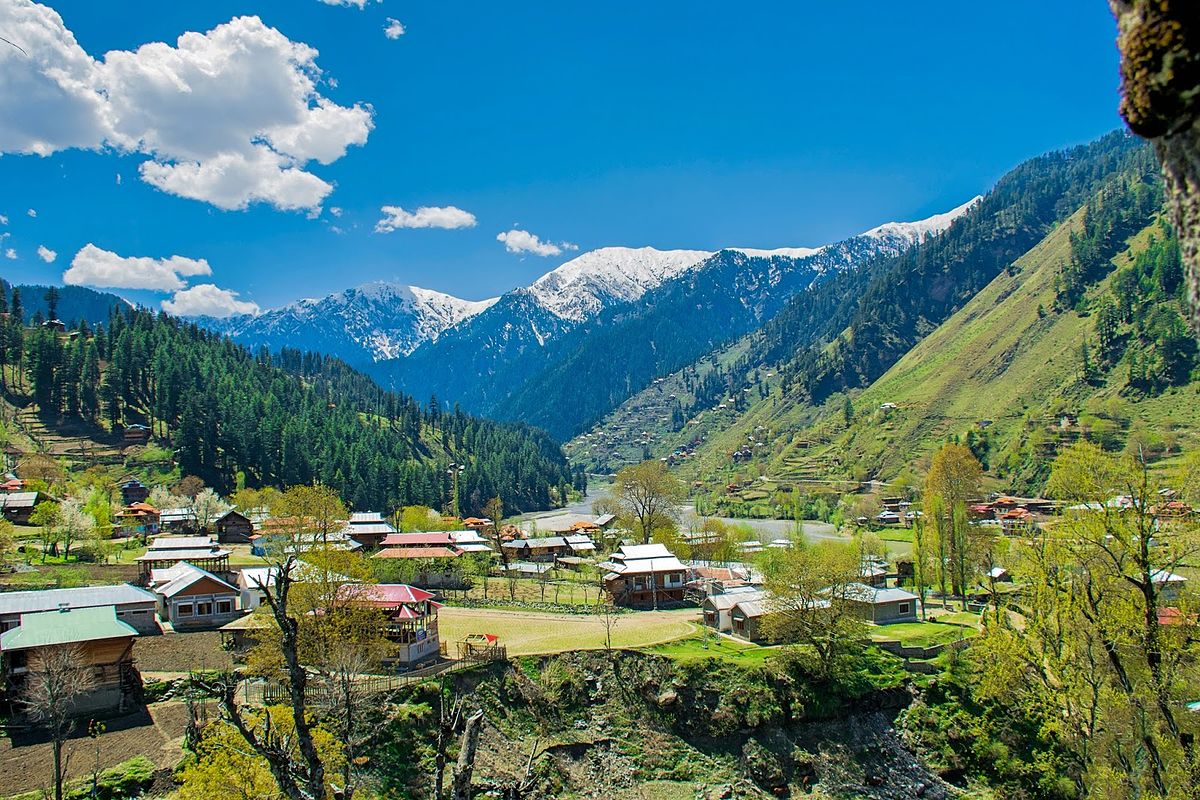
184	609
224	606
204	609
903	608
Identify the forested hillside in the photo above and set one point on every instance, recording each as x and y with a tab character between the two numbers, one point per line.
910	295
1081	337
273	419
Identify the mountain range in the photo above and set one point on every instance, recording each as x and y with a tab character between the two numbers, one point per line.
505	349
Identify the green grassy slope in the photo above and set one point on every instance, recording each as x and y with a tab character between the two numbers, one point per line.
1005	368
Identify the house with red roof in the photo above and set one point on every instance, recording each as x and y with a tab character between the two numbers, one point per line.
412	619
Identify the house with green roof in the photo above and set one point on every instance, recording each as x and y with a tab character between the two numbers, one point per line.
104	645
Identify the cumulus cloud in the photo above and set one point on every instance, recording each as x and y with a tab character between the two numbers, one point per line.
46	254
359	4
32	213
10	254
394	29
228	117
104	269
3	220
337	212
395	217
207	300
519	241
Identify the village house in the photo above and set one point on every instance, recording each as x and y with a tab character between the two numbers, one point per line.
191	597
873	571
167	551
177	520
137	519
549	548
233	527
745	619
105	642
470	541
644	574
133	491
136	433
254	582
718	608
1169	584
288	541
16	507
412	619
133	606
368	528
881	605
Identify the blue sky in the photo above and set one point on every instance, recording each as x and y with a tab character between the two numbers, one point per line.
672	124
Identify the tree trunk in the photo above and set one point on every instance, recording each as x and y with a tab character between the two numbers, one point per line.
461	788
58	768
1160	69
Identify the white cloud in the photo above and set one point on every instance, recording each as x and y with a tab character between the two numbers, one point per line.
359	4
118	179
3	220
207	300
395	217
93	266
394	29
337	212
519	241
46	254
229	117
11	254
32	213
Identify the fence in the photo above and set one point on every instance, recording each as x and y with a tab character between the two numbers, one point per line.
266	693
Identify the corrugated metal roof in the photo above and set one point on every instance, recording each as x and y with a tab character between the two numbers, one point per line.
82	597
46	628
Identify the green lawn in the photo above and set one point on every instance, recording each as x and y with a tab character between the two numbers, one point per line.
895	534
921	634
694	648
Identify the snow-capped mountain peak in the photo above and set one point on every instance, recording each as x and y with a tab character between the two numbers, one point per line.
590	282
386	320
930	226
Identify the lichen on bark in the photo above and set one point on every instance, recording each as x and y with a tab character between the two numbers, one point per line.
1159	42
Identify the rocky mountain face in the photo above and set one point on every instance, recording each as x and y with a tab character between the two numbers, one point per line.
373	322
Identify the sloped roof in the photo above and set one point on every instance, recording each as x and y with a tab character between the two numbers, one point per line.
862	593
81	597
431	539
71	626
384	595
183	575
19	500
418	552
724	602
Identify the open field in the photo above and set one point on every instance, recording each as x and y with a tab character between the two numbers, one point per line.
725	648
921	634
156	732
527	633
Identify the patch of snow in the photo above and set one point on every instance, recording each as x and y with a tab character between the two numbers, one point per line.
916	231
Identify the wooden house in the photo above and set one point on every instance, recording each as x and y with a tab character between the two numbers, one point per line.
644	574
136	433
17	507
181	520
191	597
233	527
105	642
133	606
368	528
412	619
167	551
138	519
133	491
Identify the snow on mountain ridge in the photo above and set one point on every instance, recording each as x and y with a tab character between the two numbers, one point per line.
585	284
930	226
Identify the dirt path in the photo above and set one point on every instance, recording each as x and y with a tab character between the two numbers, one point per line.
535	633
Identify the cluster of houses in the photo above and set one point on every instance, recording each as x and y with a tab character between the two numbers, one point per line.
185	583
